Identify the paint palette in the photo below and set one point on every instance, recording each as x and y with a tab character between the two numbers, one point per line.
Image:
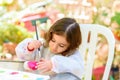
7	74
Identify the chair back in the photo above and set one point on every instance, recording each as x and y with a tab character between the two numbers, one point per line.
88	47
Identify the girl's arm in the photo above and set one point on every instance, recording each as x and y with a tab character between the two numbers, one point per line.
73	64
22	52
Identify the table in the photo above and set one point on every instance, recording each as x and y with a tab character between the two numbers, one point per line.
9	74
10	64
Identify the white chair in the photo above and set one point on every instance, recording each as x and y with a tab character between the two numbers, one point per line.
95	30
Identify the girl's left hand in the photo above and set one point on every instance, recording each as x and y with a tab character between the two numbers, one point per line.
44	65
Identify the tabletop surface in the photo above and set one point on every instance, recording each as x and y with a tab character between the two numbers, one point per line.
9	74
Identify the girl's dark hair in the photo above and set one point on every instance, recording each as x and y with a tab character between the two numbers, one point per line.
68	27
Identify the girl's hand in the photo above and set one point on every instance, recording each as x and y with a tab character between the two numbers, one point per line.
44	65
35	44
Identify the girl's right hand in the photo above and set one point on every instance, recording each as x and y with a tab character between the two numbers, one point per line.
35	44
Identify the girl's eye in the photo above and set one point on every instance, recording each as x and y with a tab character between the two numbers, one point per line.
61	46
53	40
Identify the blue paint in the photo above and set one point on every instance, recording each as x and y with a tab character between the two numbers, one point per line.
39	79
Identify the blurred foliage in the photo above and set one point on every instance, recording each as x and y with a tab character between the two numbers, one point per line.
116	18
12	4
3	10
6	2
13	33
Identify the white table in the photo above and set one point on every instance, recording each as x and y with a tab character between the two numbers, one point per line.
9	74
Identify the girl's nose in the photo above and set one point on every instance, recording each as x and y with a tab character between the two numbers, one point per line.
55	47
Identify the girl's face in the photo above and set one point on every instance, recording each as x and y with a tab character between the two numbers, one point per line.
58	44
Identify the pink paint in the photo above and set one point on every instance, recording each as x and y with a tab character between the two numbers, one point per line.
32	65
13	73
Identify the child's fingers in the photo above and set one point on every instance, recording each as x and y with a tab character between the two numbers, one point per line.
36	44
41	67
44	70
42	59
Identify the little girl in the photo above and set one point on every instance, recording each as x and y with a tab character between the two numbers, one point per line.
59	51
